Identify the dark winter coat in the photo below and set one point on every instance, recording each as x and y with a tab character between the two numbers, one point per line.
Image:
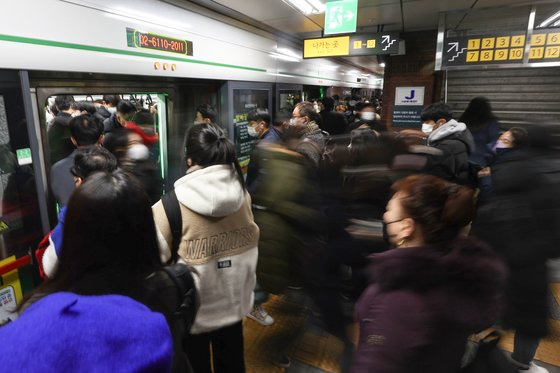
102	113
512	224
422	305
59	137
456	143
373	124
111	124
280	210
484	139
333	122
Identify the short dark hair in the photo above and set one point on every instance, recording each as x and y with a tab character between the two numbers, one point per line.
306	109
63	102
87	106
113	100
116	142
281	117
328	103
208	112
85	129
364	142
126	107
359	106
437	111
91	159
520	136
143	117
209	146
367	105
258	115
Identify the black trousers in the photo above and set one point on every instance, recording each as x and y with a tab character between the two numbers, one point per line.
226	345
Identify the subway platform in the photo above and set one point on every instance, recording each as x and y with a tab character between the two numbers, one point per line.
298	333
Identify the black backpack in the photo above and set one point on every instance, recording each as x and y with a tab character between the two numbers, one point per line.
172	291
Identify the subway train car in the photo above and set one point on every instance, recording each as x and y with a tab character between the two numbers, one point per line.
167	56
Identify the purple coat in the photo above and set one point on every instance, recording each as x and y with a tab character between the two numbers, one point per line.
423	303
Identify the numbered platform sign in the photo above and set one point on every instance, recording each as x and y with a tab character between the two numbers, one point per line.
505	48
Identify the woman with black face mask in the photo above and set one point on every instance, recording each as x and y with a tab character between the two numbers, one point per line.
511	148
509	219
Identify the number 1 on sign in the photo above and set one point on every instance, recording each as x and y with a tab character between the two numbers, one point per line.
473	44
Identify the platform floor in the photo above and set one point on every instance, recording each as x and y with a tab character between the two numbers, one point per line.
298	333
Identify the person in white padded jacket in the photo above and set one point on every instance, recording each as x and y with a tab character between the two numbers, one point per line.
219	244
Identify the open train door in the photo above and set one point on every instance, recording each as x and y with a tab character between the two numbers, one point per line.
156	101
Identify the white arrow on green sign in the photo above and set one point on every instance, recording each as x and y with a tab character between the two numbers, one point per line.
341	16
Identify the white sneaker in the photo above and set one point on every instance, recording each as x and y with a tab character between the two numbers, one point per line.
261	316
534	368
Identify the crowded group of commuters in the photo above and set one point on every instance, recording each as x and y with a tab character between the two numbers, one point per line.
442	233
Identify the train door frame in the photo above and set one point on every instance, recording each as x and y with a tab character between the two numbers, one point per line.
285	87
244	143
226	99
40	94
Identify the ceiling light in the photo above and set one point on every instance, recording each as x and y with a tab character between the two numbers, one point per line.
318	5
307	7
557	23
288	52
549	20
382	64
284	57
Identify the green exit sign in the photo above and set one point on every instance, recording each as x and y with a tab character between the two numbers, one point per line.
341	16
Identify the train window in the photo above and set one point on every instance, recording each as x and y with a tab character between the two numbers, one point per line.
289	99
245	101
20	224
148	118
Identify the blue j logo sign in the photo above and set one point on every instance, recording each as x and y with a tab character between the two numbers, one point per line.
411	95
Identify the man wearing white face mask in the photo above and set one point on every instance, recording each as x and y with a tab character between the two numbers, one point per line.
452	138
368	119
129	147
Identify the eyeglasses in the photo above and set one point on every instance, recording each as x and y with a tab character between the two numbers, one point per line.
394	221
74	171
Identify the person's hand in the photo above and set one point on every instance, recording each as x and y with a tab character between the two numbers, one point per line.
484	172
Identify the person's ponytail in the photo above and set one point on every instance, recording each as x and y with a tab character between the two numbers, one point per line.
441	209
207	145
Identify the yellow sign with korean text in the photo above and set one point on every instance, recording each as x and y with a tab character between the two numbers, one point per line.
325	47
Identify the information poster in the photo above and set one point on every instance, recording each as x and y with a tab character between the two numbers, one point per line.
246	101
408	107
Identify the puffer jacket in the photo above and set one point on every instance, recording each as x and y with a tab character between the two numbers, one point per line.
282	212
456	143
219	243
422	304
